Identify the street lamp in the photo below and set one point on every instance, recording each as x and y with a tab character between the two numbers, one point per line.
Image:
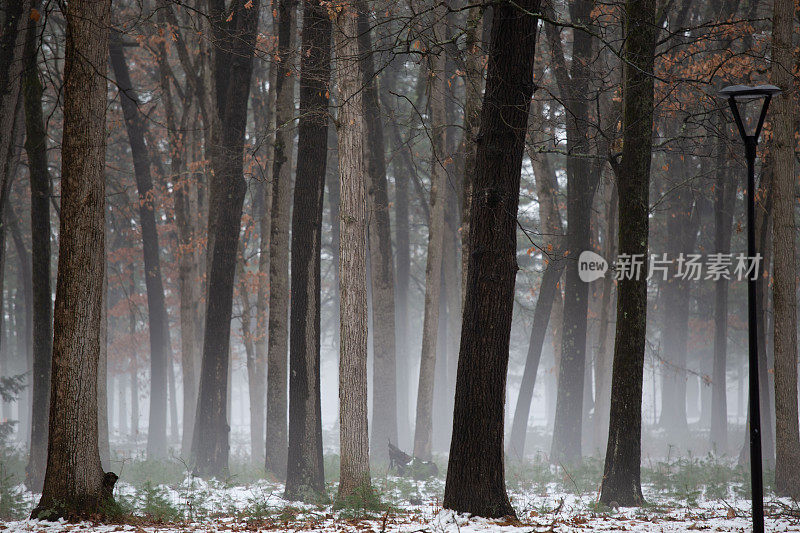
743	94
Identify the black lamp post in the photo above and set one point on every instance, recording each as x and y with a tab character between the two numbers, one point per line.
737	94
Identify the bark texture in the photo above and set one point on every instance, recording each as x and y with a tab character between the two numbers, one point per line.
278	343
475	473
354	432
75	484
784	288
305	478
622	472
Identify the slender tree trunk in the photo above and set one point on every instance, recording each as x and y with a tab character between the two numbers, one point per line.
604	356
233	65
157	311
384	385
784	288
354	432
550	220
622	472
279	245
724	201
134	365
423	427
36	148
305	478
475	477
75	484
581	186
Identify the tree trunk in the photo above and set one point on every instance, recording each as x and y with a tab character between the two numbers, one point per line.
724	202
231	72
102	383
75	484
279	245
12	51
384	385
36	148
784	288
354	432
475	473
581	186
158	319
473	88
305	478
622	473
423	427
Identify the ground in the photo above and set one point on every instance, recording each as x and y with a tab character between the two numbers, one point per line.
683	495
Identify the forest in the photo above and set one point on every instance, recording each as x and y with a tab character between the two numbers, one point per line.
440	266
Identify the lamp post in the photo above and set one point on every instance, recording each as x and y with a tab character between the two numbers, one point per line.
737	94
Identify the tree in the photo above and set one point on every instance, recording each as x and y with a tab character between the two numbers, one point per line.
384	384
622	471
36	147
784	289
305	478
475	477
75	484
423	427
279	244
234	42
354	433
158	319
582	179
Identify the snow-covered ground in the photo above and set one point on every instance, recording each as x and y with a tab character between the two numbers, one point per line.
413	507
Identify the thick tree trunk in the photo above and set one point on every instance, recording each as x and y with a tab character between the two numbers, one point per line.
384	384
784	288
158	319
354	432
279	245
231	72
36	148
75	484
102	383
475	473
423	427
305	478
622	472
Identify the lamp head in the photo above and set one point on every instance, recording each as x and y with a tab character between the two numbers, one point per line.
744	95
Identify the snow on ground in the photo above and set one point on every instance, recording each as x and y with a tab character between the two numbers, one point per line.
415	507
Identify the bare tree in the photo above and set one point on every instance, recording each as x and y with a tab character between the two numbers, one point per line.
354	433
75	484
475	472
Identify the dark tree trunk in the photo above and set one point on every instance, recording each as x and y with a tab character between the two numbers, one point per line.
13	35
36	147
354	471
784	287
75	484
581	186
279	245
232	66
475	472
305	478
158	319
622	473
384	385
